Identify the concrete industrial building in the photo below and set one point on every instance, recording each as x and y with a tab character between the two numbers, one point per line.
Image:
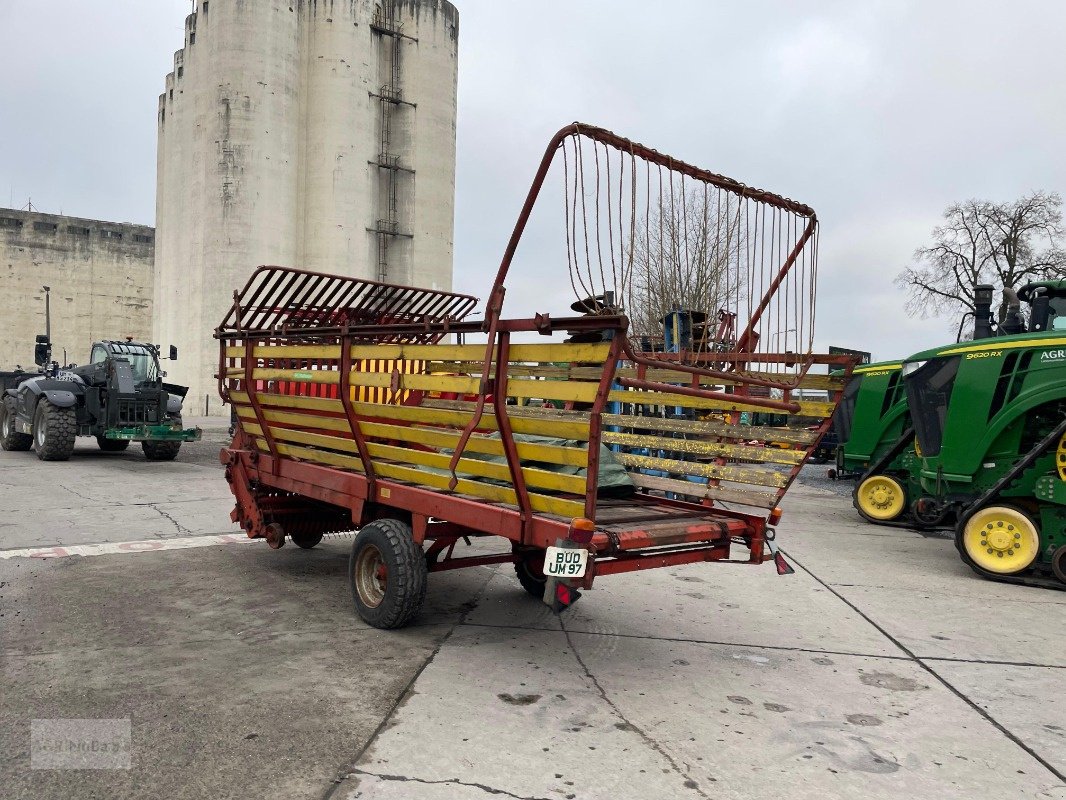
317	134
100	274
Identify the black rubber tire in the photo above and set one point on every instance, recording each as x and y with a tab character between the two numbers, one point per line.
305	540
10	439
161	451
112	445
405	581
527	573
54	431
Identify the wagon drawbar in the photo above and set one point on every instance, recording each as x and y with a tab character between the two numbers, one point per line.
601	446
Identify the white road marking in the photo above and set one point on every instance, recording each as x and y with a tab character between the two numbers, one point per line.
114	548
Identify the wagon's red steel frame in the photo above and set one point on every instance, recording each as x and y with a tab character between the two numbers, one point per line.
394	314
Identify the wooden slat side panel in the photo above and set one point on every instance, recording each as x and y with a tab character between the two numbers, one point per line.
473	353
724	494
552	481
725	473
575	371
548	505
705	447
428	414
558	360
564	391
711	428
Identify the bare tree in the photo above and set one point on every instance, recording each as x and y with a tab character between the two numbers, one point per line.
684	257
1004	244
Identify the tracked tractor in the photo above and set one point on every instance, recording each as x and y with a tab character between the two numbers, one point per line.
118	397
874	427
874	420
990	422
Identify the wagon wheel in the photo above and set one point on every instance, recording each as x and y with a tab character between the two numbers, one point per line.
530	571
387	573
306	541
880	498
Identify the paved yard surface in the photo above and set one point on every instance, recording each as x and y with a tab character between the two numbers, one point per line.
882	669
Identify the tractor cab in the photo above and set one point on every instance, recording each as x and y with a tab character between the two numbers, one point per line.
1047	303
134	365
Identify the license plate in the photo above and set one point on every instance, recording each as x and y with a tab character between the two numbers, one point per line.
562	562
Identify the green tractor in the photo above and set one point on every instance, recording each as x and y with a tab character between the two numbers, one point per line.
874	419
990	422
873	425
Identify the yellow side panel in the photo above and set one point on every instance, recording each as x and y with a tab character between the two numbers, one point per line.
704	447
725	473
557	352
485	469
542	503
562	429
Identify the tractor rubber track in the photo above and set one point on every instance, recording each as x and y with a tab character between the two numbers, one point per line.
1033	577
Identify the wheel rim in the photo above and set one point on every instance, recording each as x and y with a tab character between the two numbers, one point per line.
41	429
5	426
371	576
1060	457
881	497
1001	539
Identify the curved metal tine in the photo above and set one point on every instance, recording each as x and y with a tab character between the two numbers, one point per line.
249	305
326	287
269	313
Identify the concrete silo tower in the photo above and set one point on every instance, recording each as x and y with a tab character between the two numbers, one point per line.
317	134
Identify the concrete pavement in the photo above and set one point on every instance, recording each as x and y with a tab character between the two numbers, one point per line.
882	669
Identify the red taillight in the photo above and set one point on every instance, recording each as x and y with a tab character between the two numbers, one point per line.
581	530
775	516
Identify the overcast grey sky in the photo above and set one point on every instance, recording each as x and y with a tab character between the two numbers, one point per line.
877	114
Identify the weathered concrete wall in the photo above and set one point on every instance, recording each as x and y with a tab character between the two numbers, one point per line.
270	137
100	274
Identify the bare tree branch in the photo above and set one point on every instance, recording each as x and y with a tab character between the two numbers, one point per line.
1005	244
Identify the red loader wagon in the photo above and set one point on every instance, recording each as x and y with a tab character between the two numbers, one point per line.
609	440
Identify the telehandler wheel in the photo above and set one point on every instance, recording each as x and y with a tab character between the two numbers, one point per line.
530	572
387	573
112	445
305	541
161	451
880	498
54	431
1001	540
10	439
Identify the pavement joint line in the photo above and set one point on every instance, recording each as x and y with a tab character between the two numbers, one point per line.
402	697
940	678
127	548
690	782
27	654
990	662
651	742
1027	600
446	782
742	645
